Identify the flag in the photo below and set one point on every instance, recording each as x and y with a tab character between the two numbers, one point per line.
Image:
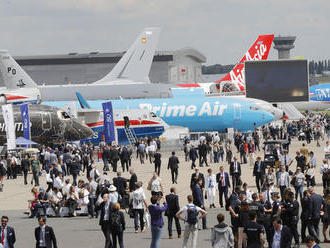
26	121
8	117
109	127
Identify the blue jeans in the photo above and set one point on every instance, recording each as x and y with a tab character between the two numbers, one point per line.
299	189
156	233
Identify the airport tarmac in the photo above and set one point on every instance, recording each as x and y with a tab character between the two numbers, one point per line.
85	233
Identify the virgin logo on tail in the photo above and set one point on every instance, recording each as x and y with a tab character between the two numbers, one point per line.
258	51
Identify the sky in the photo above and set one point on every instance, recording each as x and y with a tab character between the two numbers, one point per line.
222	30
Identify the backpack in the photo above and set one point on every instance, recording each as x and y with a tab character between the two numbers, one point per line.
115	220
192	214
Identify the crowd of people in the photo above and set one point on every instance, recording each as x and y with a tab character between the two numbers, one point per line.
271	214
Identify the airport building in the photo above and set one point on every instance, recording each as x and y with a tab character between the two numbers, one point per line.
184	65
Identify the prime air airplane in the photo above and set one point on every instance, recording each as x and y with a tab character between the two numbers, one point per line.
192	109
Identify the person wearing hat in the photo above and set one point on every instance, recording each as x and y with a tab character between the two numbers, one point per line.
113	194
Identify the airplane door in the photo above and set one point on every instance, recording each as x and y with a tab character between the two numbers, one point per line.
46	121
237	112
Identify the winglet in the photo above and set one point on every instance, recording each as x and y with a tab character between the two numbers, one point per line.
83	103
14	76
136	62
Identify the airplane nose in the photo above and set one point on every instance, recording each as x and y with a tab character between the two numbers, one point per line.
268	117
79	131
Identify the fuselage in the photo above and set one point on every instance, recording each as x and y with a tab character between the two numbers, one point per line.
48	124
195	111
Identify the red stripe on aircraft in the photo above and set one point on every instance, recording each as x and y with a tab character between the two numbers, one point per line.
122	123
12	97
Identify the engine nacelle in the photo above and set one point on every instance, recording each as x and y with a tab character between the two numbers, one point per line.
18	96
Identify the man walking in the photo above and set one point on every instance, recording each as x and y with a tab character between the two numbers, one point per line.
191	213
193	155
259	172
35	163
314	215
25	163
223	182
235	172
197	193
7	234
173	164
44	235
282	181
172	208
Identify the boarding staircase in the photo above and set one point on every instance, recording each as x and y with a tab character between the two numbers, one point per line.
131	136
291	111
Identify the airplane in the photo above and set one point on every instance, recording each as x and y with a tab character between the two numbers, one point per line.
128	79
192	109
48	125
234	81
142	123
319	98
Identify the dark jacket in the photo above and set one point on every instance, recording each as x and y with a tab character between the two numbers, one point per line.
219	179
49	237
173	162
194	179
124	155
172	205
11	238
316	203
231	169
193	155
25	163
114	155
120	184
102	208
203	149
286	237
306	206
157	157
122	220
198	196
262	168
132	182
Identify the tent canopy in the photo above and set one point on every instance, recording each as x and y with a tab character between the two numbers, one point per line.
20	141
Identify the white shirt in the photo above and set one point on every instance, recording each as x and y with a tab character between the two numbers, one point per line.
285	160
323	167
42	241
138	196
58	183
210	181
327	150
155	185
282	181
277	239
106	212
5	243
56	196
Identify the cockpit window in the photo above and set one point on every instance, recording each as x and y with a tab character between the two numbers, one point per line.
254	108
152	114
65	115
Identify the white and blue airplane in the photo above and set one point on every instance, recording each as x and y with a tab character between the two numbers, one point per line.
192	109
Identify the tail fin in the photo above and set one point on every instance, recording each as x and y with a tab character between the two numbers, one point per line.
136	62
14	76
258	51
83	103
